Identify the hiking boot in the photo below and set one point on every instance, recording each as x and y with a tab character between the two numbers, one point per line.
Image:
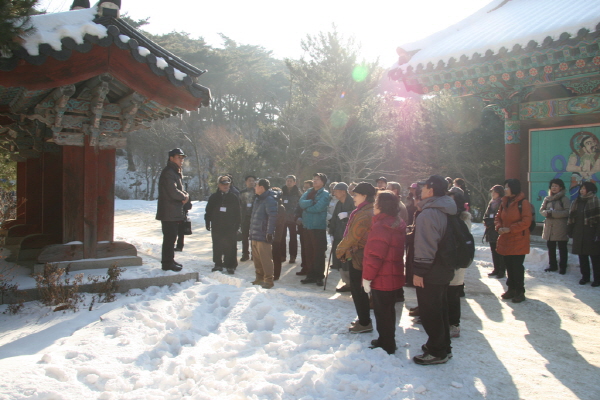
343	289
231	271
267	285
519	297
358	328
509	294
425	350
428	359
455	330
245	257
217	268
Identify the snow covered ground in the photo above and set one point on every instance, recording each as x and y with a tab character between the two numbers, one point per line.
222	338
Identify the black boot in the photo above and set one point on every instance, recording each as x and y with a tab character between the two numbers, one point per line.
509	294
519	296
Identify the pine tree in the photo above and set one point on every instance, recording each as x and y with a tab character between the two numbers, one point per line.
14	21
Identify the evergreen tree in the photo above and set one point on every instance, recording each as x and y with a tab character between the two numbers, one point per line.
14	21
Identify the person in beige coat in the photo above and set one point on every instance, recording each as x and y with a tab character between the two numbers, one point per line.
555	209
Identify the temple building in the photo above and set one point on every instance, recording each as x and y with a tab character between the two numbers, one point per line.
68	98
536	63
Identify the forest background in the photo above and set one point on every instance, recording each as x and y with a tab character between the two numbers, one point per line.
327	111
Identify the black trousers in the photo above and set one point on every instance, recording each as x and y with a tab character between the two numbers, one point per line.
359	296
497	260
305	263
515	272
454	293
584	266
318	238
224	249
180	235
246	236
169	230
384	308
562	250
408	264
433	307
291	227
276	255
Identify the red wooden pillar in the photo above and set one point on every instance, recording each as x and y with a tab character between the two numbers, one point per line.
88	196
52	194
512	149
34	194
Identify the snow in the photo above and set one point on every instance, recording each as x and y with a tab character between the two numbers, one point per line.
143	51
516	22
178	74
124	38
161	63
222	338
51	28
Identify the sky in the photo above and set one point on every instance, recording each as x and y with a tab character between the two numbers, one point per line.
380	26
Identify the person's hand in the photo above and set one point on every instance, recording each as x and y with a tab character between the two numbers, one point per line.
269	238
549	214
502	231
367	286
208	226
418	281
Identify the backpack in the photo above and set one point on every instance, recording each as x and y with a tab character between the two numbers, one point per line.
457	247
533	224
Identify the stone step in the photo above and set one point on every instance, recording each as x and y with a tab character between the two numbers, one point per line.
96	263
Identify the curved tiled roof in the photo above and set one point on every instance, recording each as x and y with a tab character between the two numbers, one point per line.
58	35
503	24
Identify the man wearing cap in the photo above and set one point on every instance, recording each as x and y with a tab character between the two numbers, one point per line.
381	183
222	217
337	227
314	203
431	276
290	196
246	200
262	232
169	210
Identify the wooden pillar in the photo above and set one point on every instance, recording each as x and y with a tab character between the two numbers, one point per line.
21	191
52	196
34	194
512	149
88	196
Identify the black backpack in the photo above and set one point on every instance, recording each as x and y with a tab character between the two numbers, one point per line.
533	224
457	247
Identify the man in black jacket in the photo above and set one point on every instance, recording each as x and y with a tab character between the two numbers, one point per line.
290	195
169	210
247	199
222	218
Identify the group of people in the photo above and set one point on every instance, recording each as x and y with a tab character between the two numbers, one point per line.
373	232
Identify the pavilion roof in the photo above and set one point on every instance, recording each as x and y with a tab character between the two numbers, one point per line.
502	24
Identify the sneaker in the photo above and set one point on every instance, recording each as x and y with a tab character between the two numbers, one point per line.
292	261
519	297
267	285
358	328
428	359
509	294
343	289
245	257
424	348
217	268
455	330
231	271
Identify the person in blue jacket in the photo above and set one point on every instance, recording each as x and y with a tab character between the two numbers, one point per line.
314	203
262	231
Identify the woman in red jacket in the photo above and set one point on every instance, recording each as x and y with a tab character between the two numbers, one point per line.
512	224
383	266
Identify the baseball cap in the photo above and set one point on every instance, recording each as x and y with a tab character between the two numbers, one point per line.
176	152
381	178
224	179
437	183
341	186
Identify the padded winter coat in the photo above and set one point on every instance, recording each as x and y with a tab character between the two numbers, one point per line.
170	194
383	260
314	212
584	236
353	245
555	225
264	217
227	221
290	202
515	242
337	226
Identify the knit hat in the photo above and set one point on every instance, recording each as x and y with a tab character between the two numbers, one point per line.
365	189
341	186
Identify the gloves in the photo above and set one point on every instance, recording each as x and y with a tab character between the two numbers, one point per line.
269	238
208	226
367	286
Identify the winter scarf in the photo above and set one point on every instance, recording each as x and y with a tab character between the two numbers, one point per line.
555	197
591	210
364	203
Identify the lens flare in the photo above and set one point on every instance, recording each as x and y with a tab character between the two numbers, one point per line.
343	95
316	154
360	73
338	118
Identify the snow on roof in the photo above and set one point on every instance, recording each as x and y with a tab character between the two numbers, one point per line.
51	28
500	25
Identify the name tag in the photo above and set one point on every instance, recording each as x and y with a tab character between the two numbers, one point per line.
343	215
249	205
285	201
223	209
492	215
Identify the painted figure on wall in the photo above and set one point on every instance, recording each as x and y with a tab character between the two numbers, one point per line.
584	161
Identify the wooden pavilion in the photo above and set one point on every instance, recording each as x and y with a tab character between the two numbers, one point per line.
537	65
68	98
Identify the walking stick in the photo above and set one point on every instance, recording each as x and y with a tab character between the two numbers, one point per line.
328	265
